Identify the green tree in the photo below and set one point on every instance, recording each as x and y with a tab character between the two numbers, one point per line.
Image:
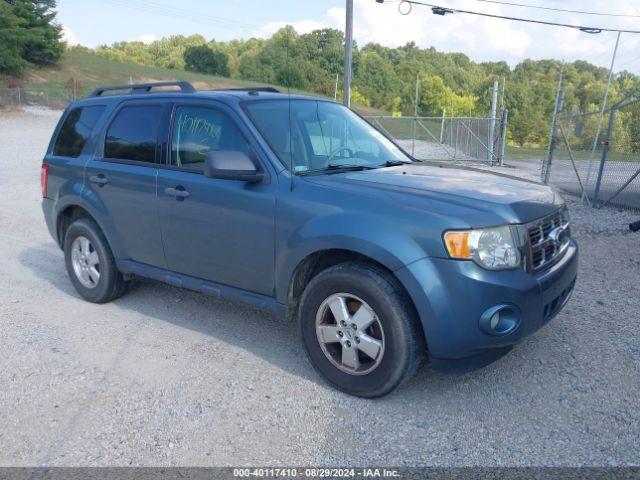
204	60
28	34
11	60
376	80
436	97
41	35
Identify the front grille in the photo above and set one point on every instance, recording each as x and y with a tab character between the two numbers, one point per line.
547	239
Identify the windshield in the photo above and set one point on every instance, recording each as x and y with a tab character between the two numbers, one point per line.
321	135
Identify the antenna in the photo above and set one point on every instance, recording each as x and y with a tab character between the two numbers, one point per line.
288	80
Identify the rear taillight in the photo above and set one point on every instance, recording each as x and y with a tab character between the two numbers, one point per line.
44	178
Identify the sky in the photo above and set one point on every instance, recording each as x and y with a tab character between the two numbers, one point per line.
96	22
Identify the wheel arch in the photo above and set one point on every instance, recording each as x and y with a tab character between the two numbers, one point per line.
318	261
72	212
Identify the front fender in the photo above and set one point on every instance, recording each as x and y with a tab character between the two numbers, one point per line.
363	234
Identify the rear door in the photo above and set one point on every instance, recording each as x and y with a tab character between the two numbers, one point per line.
217	230
123	179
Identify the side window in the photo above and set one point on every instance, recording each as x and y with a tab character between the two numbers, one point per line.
133	135
76	130
200	130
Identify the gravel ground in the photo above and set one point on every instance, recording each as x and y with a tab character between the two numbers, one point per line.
168	377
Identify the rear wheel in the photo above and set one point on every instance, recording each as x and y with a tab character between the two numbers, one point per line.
360	329
90	263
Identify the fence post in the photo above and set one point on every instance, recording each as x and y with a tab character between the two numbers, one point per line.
457	136
492	122
503	134
444	114
477	155
415	116
466	137
603	159
19	97
546	167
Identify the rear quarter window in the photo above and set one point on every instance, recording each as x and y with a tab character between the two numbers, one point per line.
76	130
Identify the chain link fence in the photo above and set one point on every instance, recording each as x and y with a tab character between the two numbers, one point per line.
50	97
603	171
466	139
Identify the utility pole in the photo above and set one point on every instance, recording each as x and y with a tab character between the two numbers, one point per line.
492	122
348	55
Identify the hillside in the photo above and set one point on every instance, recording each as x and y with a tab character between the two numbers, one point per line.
91	70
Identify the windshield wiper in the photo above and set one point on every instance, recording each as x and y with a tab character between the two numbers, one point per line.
393	163
337	168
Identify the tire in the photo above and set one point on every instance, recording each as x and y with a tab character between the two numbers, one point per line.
393	340
105	286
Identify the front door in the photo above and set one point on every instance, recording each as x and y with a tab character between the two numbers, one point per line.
217	230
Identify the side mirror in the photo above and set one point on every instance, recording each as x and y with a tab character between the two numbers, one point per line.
227	165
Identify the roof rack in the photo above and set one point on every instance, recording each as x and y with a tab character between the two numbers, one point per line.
185	87
251	89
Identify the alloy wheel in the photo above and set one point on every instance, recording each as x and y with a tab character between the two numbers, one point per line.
350	334
85	262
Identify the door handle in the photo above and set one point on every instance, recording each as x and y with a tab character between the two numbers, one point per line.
178	192
99	179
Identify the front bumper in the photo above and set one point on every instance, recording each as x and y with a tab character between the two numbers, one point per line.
452	295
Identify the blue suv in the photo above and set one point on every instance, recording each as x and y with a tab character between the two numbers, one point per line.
299	206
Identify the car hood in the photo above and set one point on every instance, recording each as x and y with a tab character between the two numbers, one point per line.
514	199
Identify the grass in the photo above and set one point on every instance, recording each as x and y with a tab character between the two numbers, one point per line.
538	153
513	152
91	71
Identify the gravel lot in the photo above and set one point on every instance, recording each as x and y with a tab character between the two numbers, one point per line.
168	377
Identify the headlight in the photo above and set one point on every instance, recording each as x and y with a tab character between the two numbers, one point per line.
491	248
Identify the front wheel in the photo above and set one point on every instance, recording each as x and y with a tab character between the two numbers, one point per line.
360	329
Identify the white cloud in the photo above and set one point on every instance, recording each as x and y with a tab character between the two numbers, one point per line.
381	24
69	36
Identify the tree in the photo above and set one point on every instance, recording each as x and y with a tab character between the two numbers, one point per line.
376	79
11	60
437	96
204	60
41	35
28	34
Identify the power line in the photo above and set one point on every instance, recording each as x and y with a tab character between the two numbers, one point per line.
555	9
148	6
440	10
632	51
634	60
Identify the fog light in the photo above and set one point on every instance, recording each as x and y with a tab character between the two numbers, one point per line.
494	320
500	320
